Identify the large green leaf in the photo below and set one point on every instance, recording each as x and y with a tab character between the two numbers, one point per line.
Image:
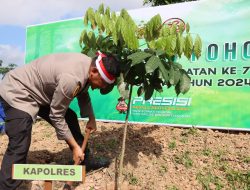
165	72
135	75
128	35
156	81
184	84
138	57
152	64
149	90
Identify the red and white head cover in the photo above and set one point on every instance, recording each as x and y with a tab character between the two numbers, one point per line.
107	77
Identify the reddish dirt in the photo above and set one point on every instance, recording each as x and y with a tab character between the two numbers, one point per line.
156	157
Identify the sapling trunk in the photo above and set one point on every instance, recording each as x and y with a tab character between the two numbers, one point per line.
119	181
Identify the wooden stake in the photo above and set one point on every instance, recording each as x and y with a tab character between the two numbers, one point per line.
48	185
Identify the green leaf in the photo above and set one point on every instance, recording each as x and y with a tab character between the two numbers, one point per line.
171	75
165	31
101	9
173	29
98	20
92	39
113	16
152	29
152	64
107	12
105	22
180	45
181	28
188	50
177	65
184	85
91	53
91	17
140	91
138	57
174	74
85	39
86	19
197	46
149	90
170	45
187	27
125	15
177	76
135	75
156	81
114	34
152	44
81	38
165	73
99	42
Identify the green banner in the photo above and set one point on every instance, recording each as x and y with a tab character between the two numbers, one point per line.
47	172
219	96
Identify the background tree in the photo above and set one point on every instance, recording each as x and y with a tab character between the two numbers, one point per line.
4	70
163	2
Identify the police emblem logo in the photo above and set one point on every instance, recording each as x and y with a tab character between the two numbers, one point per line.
77	89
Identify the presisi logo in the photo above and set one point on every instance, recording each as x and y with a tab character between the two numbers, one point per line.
162	101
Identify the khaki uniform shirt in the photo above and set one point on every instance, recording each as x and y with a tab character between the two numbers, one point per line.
52	80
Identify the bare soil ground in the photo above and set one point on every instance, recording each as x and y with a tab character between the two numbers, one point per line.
156	157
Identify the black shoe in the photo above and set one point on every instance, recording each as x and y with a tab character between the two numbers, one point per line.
66	187
92	163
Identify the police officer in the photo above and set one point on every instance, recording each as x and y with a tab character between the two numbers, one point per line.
45	87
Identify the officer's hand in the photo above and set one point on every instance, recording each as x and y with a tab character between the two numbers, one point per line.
91	124
78	155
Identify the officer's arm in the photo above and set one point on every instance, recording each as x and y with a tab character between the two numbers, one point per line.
62	97
86	110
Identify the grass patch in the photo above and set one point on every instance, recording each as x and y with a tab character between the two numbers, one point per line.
171	188
238	179
209	181
206	152
191	131
163	169
172	145
246	160
184	159
131	178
